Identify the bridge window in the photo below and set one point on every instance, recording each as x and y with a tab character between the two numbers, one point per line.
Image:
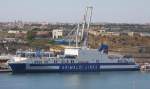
55	61
72	61
97	61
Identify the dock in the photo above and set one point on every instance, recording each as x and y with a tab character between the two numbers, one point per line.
5	70
145	67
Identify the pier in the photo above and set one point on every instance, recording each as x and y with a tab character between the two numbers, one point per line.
5	70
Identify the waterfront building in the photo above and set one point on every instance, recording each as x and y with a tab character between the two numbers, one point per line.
57	33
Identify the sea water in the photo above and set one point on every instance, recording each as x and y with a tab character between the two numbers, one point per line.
101	80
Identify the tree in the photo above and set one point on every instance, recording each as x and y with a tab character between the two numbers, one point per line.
31	35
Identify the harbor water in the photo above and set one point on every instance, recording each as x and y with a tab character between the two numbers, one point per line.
101	80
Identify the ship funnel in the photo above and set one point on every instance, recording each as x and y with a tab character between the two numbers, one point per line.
103	48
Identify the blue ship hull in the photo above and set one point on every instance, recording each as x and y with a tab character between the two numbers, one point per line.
71	67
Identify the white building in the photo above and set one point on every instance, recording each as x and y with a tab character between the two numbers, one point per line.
16	32
12	31
131	33
56	33
101	31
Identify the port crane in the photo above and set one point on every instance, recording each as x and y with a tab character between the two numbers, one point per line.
81	30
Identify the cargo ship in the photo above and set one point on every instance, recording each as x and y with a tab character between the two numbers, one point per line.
72	60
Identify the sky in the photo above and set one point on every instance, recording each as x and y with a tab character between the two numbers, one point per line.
114	11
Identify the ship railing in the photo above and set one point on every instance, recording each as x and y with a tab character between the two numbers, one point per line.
32	54
126	60
54	61
58	60
50	61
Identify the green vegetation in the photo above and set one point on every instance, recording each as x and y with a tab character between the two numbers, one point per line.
30	35
51	42
38	43
36	29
